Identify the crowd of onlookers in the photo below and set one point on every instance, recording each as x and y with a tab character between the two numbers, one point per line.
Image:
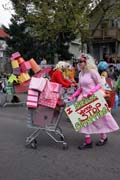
3	79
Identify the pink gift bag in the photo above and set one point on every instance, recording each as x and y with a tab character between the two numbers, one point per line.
38	83
32	98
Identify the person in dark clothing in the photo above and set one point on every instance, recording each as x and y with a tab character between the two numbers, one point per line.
113	72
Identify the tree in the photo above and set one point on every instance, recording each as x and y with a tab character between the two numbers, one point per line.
105	10
54	22
20	40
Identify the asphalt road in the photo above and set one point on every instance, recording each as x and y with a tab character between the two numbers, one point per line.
49	161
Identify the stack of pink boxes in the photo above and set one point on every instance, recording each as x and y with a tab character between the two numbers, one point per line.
21	67
43	92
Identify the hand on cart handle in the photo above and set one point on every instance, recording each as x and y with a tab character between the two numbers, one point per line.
74	84
70	98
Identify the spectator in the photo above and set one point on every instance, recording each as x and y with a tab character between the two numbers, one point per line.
113	72
43	61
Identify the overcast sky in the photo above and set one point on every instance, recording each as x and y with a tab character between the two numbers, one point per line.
5	14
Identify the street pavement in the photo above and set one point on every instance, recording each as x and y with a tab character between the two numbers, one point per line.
49	161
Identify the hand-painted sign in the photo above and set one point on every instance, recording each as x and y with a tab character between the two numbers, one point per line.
87	110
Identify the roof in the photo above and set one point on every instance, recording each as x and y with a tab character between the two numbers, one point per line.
3	34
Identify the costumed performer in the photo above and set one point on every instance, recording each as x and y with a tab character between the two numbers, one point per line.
58	76
89	82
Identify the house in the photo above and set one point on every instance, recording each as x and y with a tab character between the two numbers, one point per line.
76	47
3	47
104	43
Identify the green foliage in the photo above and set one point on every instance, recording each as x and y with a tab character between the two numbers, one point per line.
105	11
22	41
52	24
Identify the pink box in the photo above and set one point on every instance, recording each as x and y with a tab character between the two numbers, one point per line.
25	66
32	99
15	55
32	92
38	83
31	104
54	87
43	100
11	58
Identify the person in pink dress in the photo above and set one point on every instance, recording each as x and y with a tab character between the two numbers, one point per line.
89	82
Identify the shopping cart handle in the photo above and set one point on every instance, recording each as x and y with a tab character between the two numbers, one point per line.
67	101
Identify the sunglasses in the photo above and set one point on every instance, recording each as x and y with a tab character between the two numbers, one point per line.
81	61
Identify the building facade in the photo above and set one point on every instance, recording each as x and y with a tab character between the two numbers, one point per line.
4	60
106	41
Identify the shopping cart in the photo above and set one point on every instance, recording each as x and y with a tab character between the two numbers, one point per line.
42	118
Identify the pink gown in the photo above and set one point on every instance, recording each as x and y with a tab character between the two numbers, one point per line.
106	124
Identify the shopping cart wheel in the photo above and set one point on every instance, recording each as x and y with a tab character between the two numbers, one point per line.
62	138
65	146
34	144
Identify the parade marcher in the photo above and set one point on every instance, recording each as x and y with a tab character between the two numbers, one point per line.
89	82
103	70
108	85
70	73
58	76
